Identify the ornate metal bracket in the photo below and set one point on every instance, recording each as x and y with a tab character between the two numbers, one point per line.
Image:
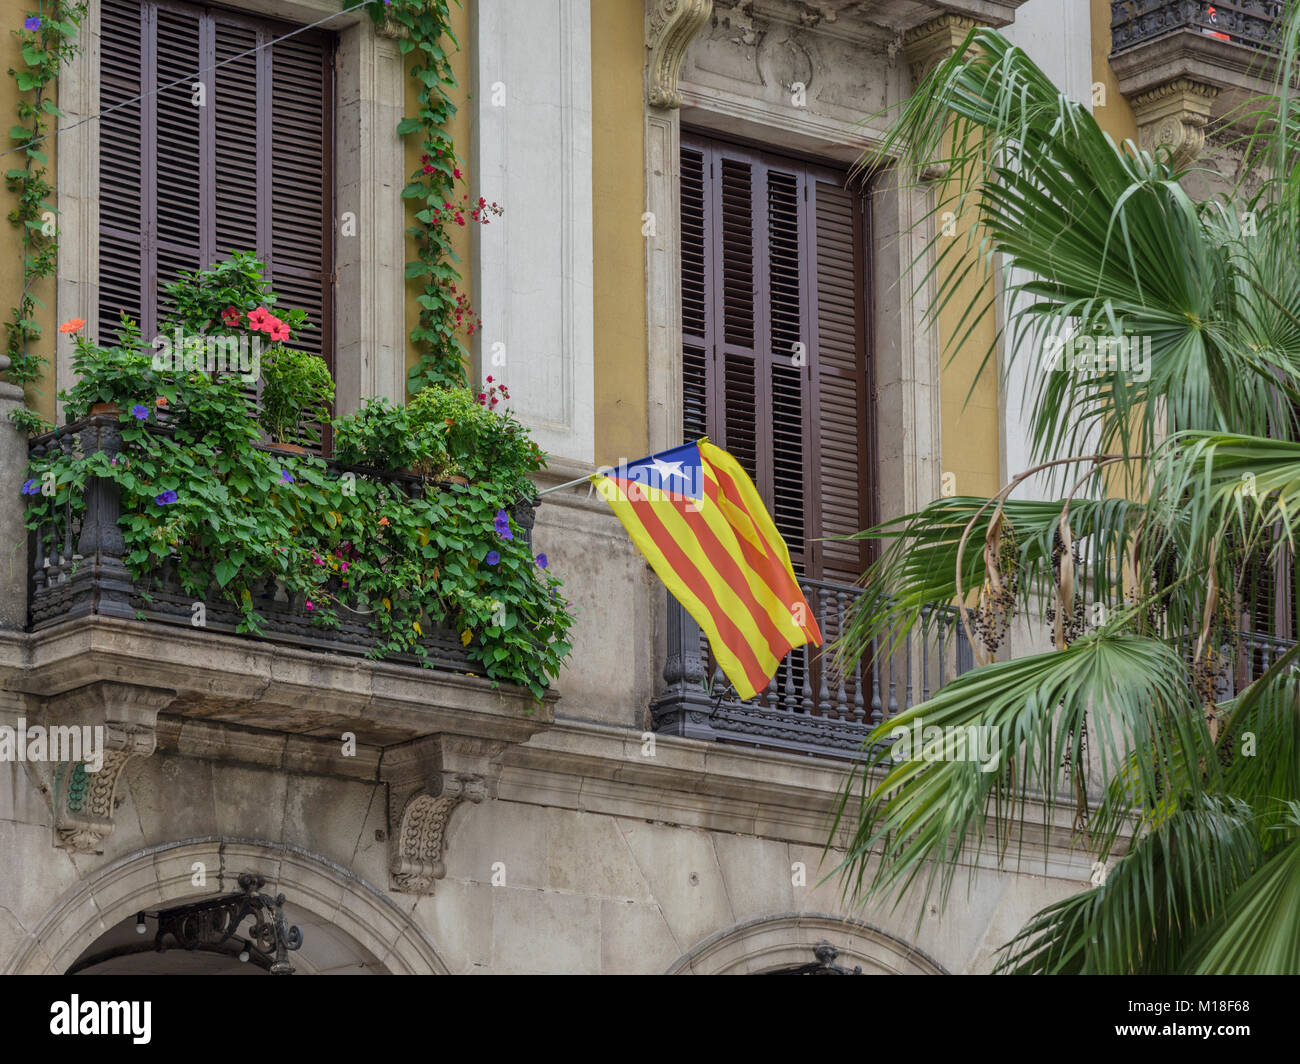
427	781
825	954
121	717
670	27
211	924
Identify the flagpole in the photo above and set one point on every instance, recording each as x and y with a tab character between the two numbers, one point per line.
601	469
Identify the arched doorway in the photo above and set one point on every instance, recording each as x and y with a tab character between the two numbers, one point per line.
347	924
772	944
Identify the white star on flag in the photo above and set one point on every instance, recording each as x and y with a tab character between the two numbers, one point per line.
668	469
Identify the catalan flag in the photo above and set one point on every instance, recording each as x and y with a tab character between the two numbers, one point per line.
698	519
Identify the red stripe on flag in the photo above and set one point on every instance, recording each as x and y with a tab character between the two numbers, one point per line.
684	567
726	564
769	567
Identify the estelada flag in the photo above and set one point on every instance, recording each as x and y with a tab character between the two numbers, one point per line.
698	519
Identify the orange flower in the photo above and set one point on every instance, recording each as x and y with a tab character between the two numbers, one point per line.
72	325
160	401
383	520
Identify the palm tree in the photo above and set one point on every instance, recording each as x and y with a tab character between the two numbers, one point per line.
1176	480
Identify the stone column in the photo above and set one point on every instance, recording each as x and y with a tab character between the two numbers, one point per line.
15	564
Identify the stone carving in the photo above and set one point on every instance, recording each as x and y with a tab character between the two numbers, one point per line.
670	26
428	779
84	804
784	60
422	826
930	44
1176	115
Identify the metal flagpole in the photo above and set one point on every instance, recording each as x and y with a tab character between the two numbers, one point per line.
603	469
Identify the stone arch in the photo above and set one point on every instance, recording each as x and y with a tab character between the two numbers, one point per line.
787	940
354	910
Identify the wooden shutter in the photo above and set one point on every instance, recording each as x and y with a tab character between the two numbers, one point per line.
182	186
774	325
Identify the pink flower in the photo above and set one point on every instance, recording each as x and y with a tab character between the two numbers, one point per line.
279	330
455	173
310	605
260	319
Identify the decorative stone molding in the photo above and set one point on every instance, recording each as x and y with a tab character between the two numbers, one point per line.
1175	115
931	43
84	798
427	780
670	27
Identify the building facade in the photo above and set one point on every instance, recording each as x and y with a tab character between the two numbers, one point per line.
688	247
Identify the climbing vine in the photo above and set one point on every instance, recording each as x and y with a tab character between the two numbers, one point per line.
47	40
433	189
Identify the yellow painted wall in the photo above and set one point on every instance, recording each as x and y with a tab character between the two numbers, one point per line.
459	131
1114	114
970	427
618	194
40	397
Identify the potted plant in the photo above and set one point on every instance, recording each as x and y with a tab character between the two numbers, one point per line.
478	439
297	391
109	379
379	436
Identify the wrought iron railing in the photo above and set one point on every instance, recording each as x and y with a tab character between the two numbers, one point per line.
77	567
1256	23
807	707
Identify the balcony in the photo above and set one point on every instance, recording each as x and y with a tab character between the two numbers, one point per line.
153	663
1187	67
1253	23
806	707
77	570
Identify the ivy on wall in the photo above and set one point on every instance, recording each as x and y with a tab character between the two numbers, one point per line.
47	38
425	31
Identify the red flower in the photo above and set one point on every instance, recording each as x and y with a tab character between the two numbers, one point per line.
260	320
428	169
279	330
455	173
482	396
231	316
489	380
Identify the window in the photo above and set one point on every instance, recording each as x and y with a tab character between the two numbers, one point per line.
185	180
774	351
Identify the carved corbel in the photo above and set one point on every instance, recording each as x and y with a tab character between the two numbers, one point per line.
427	781
1174	114
928	45
115	722
670	27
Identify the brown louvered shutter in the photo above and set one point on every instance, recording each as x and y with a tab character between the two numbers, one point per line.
774	355
182	186
842	405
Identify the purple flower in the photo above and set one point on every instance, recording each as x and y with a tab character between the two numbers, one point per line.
492	557
30	487
139	411
541	561
165	498
286	477
31	23
502	525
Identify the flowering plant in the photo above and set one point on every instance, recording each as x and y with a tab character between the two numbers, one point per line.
232	519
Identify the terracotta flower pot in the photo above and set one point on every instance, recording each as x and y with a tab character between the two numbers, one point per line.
289	448
105	408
